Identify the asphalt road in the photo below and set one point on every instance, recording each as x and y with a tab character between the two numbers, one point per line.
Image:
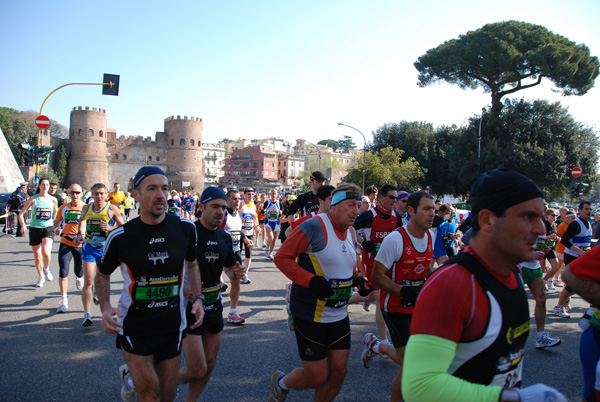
49	357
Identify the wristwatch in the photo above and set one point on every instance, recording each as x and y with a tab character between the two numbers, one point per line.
201	297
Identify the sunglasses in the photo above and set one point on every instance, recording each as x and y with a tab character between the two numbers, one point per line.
391	197
404	200
75	192
551	214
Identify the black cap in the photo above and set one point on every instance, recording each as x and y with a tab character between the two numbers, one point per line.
318	176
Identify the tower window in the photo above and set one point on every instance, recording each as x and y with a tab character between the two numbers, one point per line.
191	143
158	158
182	142
172	141
116	156
80	132
101	134
124	157
149	157
91	132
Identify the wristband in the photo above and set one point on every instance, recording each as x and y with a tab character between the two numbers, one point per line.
199	297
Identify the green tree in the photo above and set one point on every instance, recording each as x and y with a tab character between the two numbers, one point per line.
60	162
509	56
346	144
330	143
387	166
413	137
539	139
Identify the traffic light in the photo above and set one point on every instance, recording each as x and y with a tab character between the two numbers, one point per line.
43	154
582	186
113	85
29	153
574	189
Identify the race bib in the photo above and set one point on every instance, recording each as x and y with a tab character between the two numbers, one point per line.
156	292
211	295
509	370
342	290
43	214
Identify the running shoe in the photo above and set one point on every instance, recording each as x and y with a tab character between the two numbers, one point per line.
550	284
40	282
128	394
270	256
367	355
366	305
288	292
568	304
558	282
387	342
63	306
79	283
48	274
267	254
560	312
245	280
290	318
87	320
545	341
277	393
264	245
235	319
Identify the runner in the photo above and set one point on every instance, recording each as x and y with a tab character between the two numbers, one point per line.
151	251
401	265
583	276
129	203
233	225
188	202
117	198
272	226
307	202
376	223
471	320
249	225
97	219
41	233
66	225
214	254
577	240
323	276
174	204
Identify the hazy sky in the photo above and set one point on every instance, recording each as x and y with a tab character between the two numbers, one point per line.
256	69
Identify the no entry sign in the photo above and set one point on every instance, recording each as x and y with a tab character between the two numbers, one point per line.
576	172
42	122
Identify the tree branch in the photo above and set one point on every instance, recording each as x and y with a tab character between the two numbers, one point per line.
519	87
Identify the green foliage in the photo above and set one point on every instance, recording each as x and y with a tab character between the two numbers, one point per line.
506	57
330	143
539	139
386	166
346	144
60	162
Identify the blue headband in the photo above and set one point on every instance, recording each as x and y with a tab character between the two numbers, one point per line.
344	195
212	193
145	172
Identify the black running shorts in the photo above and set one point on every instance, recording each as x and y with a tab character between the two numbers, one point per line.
314	339
161	346
399	326
213	319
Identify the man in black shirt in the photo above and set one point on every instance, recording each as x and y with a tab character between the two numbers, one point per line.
308	202
151	251
214	253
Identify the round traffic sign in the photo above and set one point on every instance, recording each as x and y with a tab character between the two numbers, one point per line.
576	172
42	122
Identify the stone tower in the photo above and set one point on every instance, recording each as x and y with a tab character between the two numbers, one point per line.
87	158
184	151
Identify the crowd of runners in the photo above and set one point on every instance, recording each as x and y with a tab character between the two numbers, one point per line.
447	285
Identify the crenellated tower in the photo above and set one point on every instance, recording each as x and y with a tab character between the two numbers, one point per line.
184	151
88	154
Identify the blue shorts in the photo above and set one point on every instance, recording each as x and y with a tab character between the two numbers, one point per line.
274	225
91	253
438	253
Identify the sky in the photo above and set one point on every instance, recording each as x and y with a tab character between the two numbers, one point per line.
259	69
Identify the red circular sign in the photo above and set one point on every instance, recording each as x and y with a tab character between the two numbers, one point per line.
576	172
42	122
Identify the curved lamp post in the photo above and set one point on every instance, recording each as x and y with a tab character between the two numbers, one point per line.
364	153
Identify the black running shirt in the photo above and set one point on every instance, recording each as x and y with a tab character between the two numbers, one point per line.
151	258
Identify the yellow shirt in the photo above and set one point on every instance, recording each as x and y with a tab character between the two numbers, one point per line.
117	198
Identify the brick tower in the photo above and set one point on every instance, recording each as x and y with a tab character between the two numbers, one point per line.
184	151
87	158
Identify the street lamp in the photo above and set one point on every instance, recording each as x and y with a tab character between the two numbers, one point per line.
318	150
364	153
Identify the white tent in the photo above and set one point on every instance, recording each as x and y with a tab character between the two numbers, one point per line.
10	175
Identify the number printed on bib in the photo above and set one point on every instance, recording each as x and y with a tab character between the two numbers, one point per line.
159	292
342	290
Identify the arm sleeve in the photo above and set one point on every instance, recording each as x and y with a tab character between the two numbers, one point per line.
571	231
285	259
364	220
425	378
585	267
